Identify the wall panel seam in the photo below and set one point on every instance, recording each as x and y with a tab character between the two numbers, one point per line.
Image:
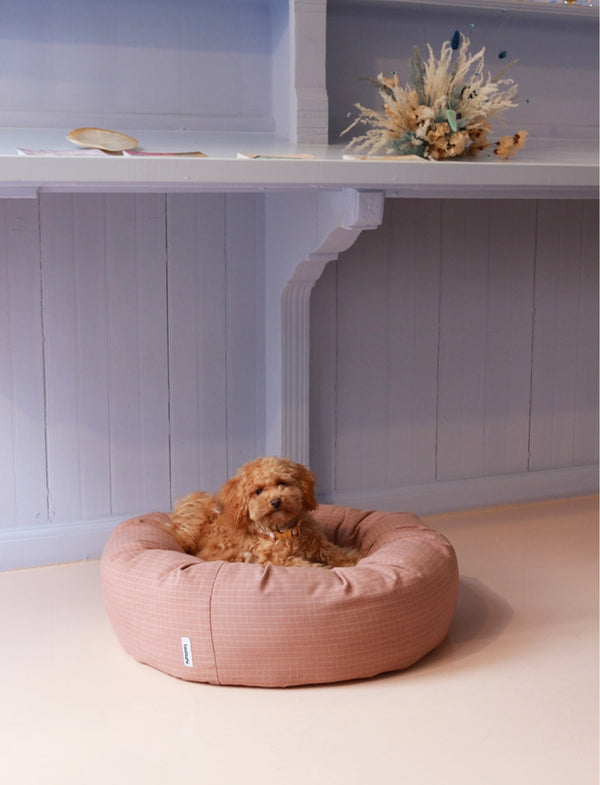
533	334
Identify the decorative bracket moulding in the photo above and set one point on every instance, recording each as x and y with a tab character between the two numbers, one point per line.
303	233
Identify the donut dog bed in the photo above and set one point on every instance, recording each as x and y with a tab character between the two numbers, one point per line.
262	625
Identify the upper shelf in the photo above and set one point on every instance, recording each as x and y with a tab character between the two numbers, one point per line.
544	169
578	9
281	76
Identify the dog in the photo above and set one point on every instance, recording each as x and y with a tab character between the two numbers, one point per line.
262	516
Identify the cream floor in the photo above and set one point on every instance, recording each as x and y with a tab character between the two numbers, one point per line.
510	698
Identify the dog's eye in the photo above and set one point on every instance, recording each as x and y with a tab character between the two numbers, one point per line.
282	484
258	491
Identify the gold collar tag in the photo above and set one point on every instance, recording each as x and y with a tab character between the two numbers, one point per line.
286	534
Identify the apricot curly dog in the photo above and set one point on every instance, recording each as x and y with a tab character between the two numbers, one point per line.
261	515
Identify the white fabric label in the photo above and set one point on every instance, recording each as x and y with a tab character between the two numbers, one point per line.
186	648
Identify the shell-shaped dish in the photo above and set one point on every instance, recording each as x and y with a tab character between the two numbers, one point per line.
102	139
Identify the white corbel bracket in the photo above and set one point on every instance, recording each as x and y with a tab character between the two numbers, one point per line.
303	233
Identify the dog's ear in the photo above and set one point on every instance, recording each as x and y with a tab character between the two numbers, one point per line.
234	502
306	480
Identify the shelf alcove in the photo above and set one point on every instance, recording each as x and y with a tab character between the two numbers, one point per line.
165	302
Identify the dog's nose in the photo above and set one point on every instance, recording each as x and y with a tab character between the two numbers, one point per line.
275	503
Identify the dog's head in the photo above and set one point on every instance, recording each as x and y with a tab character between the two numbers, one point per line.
269	494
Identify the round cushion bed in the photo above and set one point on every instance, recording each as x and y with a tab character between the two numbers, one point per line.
269	626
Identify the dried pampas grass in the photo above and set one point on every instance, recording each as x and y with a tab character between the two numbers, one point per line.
443	112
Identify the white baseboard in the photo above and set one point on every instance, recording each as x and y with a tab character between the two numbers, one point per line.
75	541
479	492
54	543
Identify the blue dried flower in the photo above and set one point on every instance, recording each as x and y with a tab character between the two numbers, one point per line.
408	144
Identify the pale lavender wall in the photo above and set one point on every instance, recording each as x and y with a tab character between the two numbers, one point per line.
137	64
131	353
458	341
557	69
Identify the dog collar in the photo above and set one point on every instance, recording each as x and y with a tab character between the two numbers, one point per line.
286	534
283	534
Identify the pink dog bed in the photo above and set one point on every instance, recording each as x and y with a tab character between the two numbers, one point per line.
267	626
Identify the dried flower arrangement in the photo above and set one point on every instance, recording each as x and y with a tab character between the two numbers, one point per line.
445	110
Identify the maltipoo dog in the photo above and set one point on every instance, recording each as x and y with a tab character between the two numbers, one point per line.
261	515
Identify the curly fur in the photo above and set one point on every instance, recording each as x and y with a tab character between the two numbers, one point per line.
261	515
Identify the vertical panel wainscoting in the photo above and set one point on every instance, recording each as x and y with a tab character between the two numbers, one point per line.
454	357
23	492
105	328
216	342
131	359
564	425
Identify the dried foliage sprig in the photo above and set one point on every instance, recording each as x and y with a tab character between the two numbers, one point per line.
443	112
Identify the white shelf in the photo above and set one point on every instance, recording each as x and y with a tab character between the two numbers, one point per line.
581	9
291	83
545	169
